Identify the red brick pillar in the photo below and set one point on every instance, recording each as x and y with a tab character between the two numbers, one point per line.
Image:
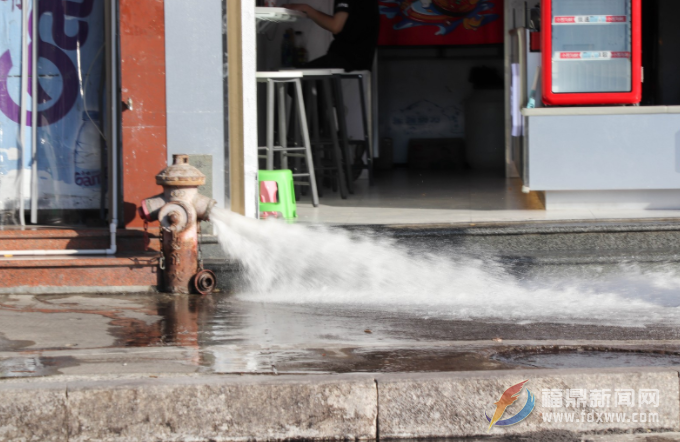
142	39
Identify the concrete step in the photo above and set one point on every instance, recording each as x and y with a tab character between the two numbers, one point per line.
531	238
133	269
128	240
228	272
210	247
522	247
512	239
517	244
125	272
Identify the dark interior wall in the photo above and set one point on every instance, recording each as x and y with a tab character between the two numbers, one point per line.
669	53
422	91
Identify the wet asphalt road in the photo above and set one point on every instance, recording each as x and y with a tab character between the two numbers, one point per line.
96	334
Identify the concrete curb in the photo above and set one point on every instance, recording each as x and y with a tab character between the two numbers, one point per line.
453	404
349	407
183	408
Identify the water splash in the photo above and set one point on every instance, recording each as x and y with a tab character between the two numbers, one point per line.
296	264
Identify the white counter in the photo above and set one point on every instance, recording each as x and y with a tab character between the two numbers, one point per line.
625	156
267	15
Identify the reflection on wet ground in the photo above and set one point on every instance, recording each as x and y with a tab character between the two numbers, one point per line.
107	334
590	359
34	366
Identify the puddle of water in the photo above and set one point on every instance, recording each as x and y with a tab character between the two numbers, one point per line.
34	366
386	361
11	345
590	359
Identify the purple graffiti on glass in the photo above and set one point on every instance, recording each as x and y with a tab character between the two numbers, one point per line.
15	3
59	10
55	54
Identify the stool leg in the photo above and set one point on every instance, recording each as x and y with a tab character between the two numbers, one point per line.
312	105
297	141
344	138
308	145
270	125
283	122
328	97
367	136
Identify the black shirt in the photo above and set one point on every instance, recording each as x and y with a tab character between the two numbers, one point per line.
357	41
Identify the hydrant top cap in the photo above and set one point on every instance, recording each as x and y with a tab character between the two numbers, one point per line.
180	174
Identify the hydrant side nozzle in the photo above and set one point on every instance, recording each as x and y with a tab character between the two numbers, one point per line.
204	206
150	207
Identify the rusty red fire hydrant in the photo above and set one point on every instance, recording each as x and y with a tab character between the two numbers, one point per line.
179	209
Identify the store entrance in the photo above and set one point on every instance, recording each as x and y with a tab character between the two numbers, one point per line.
660	49
437	100
441	149
452	120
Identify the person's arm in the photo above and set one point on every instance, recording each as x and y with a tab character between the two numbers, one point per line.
333	23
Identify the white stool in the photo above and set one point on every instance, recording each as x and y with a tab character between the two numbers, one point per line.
276	82
360	75
336	128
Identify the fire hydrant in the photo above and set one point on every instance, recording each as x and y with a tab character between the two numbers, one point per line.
180	208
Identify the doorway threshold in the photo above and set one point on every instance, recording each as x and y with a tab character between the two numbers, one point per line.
405	196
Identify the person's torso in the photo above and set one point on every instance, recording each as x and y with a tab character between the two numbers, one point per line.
359	37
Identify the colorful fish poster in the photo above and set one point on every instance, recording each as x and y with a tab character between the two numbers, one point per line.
70	90
440	22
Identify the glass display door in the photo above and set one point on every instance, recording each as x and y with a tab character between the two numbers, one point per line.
591	46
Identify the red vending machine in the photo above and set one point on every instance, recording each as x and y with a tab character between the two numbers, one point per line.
592	52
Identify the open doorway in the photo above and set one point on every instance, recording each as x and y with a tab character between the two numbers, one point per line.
441	152
442	125
438	116
660	49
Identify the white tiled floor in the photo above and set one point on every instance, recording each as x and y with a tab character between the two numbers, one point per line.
403	196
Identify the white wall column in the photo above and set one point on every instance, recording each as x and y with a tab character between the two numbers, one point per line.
242	51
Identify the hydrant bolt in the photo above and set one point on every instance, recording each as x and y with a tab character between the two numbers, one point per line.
174	218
